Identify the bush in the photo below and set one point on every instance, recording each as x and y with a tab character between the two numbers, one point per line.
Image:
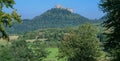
20	51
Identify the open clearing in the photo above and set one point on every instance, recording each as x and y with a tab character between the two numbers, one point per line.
53	55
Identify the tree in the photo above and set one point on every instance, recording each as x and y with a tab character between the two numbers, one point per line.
20	50
112	10
83	45
6	18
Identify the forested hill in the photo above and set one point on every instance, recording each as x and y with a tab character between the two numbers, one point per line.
58	14
53	18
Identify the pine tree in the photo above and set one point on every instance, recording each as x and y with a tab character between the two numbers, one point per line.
112	10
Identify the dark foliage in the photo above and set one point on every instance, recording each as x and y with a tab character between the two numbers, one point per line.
112	9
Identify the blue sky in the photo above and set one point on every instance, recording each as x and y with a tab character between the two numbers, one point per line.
31	8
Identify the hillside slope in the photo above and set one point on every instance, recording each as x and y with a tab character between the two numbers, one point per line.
53	18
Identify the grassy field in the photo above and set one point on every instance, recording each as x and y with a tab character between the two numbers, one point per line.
5	42
53	55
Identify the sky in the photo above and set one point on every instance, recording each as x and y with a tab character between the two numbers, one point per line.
28	9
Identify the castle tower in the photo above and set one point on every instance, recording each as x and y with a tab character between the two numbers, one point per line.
61	7
58	6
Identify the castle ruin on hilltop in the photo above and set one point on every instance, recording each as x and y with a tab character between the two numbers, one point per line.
61	7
